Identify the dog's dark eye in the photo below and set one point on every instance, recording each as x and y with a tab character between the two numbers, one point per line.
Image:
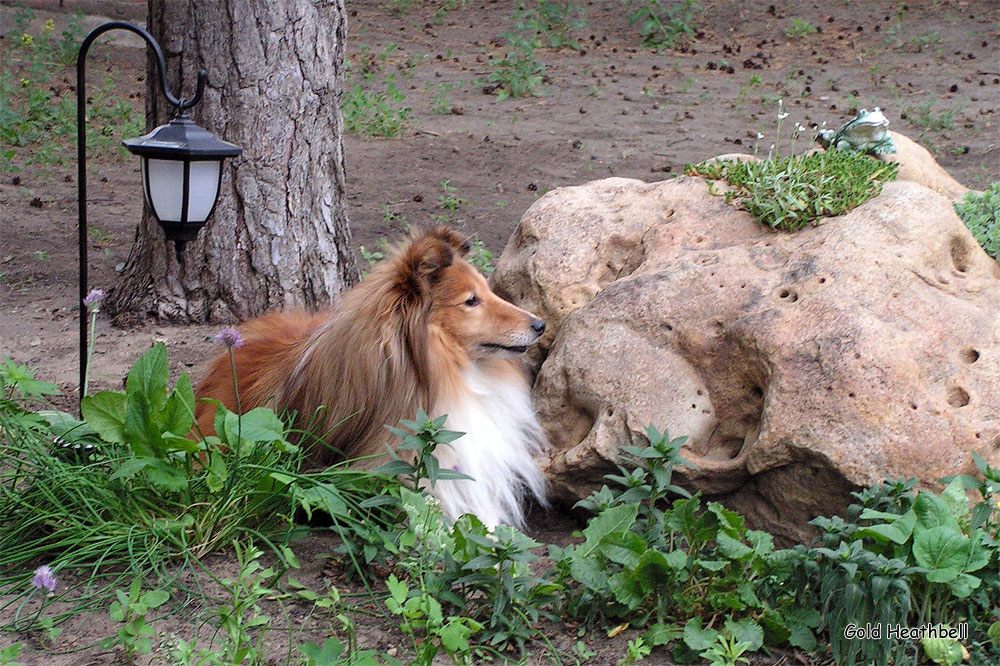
473	301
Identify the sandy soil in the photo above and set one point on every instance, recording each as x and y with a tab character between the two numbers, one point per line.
610	108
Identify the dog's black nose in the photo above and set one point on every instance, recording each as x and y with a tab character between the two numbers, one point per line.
538	326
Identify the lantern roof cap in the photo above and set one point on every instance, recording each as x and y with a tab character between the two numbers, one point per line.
181	139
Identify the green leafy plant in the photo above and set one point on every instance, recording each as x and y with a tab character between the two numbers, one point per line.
924	117
127	489
790	193
981	214
447	199
657	567
9	654
518	73
727	652
480	257
557	20
664	27
376	113
422	436
799	28
909	559
239	620
135	636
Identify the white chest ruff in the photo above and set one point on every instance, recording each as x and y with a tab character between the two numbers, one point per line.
501	438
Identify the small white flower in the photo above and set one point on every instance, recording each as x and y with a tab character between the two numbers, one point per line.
759	136
782	116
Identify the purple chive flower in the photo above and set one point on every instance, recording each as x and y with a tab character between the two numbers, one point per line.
93	300
229	337
44	579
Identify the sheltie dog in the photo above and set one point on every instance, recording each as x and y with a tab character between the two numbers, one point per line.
422	331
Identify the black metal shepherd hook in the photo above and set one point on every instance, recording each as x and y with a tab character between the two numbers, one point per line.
81	149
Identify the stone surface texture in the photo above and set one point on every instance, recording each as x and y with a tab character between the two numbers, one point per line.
800	365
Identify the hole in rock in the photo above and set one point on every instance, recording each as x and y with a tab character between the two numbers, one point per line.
958	396
959	255
789	295
970	355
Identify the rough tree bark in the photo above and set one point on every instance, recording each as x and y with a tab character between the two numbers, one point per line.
279	236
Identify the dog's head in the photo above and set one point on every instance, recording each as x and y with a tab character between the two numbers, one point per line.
431	269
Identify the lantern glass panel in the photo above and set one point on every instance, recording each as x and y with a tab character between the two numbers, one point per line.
165	189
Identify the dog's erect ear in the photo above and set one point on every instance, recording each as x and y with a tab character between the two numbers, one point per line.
421	261
457	242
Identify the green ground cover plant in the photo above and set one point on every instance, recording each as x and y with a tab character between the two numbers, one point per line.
123	493
39	113
981	213
789	193
663	27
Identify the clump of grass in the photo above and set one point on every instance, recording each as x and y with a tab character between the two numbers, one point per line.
926	118
664	27
36	113
793	192
799	28
981	214
376	113
519	73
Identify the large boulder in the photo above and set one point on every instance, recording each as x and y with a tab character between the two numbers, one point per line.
800	365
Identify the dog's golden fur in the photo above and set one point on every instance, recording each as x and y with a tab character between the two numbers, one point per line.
422	331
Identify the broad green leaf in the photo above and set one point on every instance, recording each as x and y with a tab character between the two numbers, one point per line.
942	550
326	655
154	598
615	519
131	467
698	639
979	554
898	530
653	570
802	637
933	512
746	631
588	572
661	634
105	413
163	474
627	590
964	585
732	548
143	427
262	425
677	559
455	635
730	521
149	376
178	413
623	548
172	442
217	473
398	590
954	497
943	651
762	542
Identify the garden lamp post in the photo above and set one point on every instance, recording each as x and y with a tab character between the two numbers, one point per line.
181	167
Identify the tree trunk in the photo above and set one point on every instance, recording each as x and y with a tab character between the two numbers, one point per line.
279	237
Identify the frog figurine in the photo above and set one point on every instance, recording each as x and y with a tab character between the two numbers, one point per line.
868	132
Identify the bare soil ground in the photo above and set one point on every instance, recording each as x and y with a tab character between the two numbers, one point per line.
610	108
